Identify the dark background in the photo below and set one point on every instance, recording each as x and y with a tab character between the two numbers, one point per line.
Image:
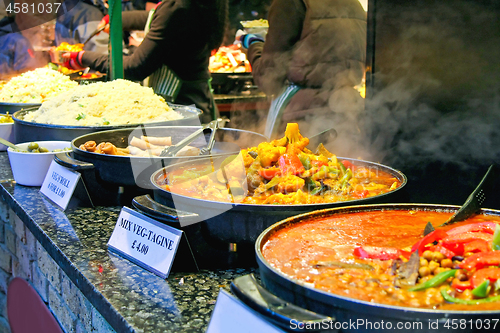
433	94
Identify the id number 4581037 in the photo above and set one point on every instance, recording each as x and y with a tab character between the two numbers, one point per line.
472	324
32	8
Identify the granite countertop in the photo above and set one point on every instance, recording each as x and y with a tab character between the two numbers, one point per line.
130	298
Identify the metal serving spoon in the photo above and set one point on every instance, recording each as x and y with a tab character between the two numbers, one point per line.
322	137
172	150
95	33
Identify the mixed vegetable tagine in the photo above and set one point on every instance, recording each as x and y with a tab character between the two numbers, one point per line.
382	257
283	171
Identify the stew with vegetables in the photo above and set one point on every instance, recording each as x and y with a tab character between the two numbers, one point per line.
283	171
383	257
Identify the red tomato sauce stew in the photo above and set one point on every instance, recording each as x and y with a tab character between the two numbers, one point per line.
383	257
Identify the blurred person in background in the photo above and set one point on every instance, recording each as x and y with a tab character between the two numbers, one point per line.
76	21
175	52
16	51
310	61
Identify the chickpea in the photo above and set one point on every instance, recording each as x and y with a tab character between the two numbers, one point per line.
423	262
446	263
425	279
415	302
424	271
362	284
427	255
401	297
467	294
433	265
439	270
437	256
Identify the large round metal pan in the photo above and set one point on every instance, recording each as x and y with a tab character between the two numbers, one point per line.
10	108
137	171
345	309
27	131
242	223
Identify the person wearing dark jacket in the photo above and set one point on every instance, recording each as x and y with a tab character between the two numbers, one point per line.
181	37
313	56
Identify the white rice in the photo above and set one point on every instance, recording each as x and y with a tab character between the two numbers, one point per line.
35	86
117	102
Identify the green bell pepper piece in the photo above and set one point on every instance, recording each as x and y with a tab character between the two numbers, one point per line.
435	281
482	290
305	160
495	244
452	299
345	178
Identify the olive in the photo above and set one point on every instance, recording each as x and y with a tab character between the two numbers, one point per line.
32	145
35	151
43	150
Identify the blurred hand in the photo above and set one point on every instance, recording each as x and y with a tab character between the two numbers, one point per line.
73	60
54	56
248	39
133	42
104	22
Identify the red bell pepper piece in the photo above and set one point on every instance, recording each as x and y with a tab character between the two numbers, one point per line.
347	164
269	173
439	248
487	227
480	260
457	248
378	252
477	245
290	163
436	235
318	163
492	274
361	194
466	237
461	285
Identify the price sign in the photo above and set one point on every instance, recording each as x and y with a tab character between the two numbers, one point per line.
232	315
59	184
144	241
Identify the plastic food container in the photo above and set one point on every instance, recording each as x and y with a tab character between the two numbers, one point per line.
29	169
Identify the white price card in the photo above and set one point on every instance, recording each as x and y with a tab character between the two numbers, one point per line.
59	184
145	241
232	315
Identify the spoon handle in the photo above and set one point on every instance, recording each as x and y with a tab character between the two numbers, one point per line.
8	144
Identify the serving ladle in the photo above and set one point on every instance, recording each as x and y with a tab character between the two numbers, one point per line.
473	203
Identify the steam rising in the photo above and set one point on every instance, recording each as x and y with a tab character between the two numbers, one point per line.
433	110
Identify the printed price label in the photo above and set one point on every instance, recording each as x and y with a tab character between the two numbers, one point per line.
144	241
232	315
59	184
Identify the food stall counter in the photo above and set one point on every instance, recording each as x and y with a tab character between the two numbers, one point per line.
64	256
